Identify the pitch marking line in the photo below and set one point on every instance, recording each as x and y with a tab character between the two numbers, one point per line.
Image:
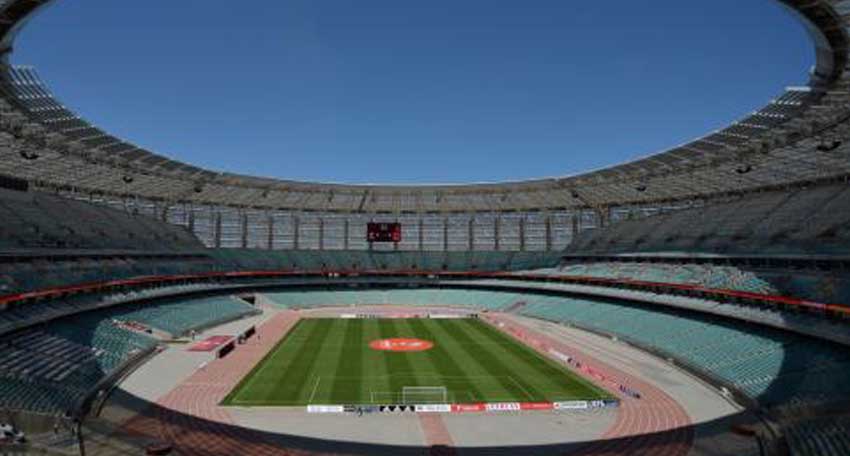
524	391
315	388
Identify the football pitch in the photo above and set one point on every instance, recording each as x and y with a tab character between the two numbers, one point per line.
353	361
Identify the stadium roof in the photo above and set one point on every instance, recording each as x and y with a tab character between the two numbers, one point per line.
797	137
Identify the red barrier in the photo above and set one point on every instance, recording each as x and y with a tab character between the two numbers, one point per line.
463	408
627	283
536	406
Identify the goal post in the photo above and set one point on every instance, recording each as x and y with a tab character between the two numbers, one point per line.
424	395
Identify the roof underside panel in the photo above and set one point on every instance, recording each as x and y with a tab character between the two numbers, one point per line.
798	136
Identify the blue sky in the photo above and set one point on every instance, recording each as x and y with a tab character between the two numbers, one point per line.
414	92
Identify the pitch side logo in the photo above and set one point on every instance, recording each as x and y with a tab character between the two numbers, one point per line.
401	345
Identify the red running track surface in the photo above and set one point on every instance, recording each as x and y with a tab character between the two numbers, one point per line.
189	417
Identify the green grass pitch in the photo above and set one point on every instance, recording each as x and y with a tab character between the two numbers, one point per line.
329	361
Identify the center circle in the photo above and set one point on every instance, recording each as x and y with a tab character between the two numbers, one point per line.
401	345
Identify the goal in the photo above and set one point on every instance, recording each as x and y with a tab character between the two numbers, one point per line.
424	395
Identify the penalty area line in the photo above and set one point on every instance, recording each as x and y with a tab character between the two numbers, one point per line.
524	391
315	388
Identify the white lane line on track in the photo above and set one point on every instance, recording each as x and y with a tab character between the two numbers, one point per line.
315	388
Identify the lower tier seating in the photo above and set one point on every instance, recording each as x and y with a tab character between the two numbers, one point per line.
474	299
313	260
703	275
179	317
772	367
819	437
50	368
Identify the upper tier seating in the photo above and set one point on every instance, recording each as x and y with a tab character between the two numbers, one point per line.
39	221
813	221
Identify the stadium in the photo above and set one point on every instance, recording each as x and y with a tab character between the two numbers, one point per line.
692	302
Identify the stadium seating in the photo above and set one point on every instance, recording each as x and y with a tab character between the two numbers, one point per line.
178	318
24	314
35	273
473	299
313	260
819	437
803	221
773	367
49	370
39	221
703	275
770	366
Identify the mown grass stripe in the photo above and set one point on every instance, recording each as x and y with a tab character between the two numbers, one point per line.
288	379
487	359
349	363
244	384
422	368
467	355
443	360
543	370
398	363
326	358
539	371
374	363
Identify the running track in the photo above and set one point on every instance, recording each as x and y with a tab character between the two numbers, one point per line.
189	418
654	425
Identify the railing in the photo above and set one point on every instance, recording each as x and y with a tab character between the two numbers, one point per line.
640	285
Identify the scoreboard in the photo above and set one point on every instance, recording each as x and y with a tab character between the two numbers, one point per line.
383	232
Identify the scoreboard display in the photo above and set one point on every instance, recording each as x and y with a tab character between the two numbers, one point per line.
383	232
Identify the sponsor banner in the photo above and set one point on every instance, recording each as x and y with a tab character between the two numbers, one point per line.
395	408
502	406
611	403
325	409
462	408
565	405
348	316
399	315
445	316
560	356
597	404
433	408
536	406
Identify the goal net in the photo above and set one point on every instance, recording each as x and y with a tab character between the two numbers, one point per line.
424	395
